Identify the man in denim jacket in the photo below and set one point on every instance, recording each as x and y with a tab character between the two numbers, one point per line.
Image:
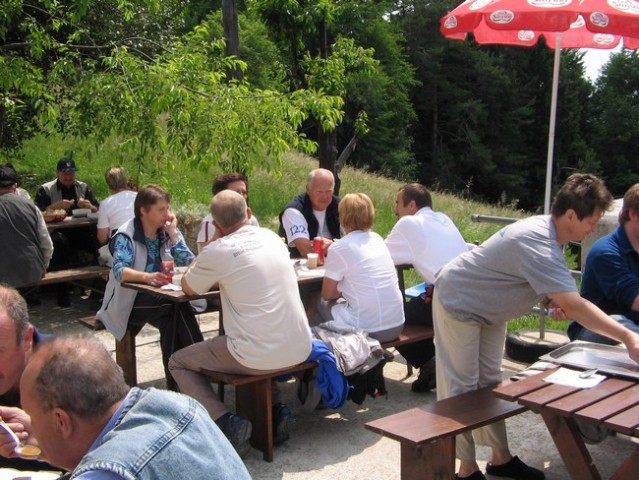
87	421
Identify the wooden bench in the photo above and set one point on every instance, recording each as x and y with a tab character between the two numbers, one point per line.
253	393
427	433
124	349
72	275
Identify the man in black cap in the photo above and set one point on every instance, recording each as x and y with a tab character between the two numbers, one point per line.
26	244
67	193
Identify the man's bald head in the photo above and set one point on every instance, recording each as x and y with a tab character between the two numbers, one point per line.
228	208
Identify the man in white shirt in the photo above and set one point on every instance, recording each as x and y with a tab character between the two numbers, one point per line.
265	324
427	240
311	214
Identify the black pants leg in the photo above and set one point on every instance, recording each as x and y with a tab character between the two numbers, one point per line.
175	332
418	311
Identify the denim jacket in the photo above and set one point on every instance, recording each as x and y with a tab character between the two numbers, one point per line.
160	435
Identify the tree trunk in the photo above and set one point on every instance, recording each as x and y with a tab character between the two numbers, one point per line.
231	35
327	152
327	141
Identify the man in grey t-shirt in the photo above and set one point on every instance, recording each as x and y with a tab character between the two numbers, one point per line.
479	291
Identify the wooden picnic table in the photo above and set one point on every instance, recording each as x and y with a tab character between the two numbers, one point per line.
613	403
72	222
309	282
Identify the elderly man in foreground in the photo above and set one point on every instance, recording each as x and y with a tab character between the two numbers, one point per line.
87	421
18	340
264	319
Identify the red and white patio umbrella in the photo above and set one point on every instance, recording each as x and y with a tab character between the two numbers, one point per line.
563	23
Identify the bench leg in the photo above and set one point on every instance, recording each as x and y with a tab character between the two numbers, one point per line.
254	401
125	357
434	461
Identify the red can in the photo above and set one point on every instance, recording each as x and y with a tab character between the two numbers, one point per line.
318	247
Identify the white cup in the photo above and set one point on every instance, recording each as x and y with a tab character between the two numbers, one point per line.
311	260
177	280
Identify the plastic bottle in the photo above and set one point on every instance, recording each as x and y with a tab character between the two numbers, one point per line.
168	265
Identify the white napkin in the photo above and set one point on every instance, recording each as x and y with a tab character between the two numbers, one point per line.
11	474
565	376
170	286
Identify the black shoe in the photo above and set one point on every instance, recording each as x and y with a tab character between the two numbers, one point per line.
95	305
32	301
427	380
282	423
516	469
64	299
238	431
473	476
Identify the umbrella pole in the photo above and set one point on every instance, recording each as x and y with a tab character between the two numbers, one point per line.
551	127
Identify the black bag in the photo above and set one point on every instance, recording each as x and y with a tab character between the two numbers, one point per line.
370	383
419	310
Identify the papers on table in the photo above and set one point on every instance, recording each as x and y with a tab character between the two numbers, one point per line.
571	378
534	369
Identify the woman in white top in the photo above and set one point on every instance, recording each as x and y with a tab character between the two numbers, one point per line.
360	288
114	210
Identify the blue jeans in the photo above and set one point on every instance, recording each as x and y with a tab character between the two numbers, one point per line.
590	336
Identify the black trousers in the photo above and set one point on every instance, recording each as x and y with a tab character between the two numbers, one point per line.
176	331
418	311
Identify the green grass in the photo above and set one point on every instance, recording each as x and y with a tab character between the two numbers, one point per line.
191	191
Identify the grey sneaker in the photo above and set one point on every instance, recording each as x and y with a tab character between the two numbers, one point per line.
282	423
238	430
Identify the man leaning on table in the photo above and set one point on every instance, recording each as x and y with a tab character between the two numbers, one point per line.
264	319
478	292
87	421
427	240
26	245
311	214
67	193
611	275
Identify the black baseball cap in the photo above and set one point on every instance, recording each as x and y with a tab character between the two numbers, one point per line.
8	176
66	165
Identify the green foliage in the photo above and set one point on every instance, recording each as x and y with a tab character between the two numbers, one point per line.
264	68
172	103
383	94
614	120
484	111
348	48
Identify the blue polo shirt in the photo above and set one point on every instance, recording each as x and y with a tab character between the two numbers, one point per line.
611	277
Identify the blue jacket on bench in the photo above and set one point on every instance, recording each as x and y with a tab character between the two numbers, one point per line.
329	380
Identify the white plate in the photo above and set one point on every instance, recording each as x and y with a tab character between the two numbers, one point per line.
80	212
93	215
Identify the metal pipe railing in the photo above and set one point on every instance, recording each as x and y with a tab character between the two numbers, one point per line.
476	217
